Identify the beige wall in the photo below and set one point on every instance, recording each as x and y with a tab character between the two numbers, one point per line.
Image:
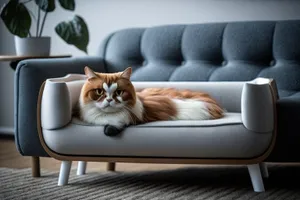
105	16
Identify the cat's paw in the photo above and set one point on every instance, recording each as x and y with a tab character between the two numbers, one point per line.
110	130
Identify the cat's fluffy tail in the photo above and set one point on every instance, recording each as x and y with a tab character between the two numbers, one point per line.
192	109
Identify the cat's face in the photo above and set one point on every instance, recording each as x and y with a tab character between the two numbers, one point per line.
109	92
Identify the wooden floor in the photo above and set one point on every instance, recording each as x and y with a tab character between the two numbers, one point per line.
10	157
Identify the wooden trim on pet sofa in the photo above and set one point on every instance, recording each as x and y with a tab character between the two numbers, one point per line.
228	161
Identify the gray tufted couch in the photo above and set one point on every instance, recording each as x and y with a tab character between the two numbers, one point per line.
214	52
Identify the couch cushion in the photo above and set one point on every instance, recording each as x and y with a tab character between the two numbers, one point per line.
235	51
229	119
222	138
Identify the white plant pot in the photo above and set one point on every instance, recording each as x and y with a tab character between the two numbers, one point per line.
33	46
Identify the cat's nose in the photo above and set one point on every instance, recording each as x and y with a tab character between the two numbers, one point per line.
108	100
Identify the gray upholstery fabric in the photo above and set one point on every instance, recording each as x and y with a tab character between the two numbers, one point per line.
253	99
234	51
56	106
223	51
229	119
61	94
29	76
248	127
224	138
258	107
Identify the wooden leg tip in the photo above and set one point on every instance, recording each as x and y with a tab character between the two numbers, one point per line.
35	166
111	166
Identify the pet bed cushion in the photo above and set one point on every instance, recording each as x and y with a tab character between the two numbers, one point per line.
246	130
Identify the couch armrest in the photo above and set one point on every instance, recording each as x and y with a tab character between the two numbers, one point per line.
59	98
29	76
258	105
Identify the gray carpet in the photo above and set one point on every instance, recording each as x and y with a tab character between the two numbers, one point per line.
184	183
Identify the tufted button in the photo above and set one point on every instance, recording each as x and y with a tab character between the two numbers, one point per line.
272	62
224	63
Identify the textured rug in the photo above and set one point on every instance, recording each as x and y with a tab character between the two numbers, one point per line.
184	183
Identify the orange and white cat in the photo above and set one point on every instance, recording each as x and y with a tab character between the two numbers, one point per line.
110	99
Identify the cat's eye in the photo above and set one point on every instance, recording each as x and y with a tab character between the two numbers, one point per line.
119	92
99	92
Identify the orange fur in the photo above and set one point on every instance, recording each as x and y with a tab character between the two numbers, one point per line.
214	108
97	81
157	108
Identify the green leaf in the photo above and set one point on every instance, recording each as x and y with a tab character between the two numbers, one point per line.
74	32
16	18
67	4
46	5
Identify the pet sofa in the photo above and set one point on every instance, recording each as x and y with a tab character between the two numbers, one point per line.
194	54
245	135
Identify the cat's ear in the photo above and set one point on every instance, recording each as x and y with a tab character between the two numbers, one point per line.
89	73
127	73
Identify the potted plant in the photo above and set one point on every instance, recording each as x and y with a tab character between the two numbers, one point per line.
17	19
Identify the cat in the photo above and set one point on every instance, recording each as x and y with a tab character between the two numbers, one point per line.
110	99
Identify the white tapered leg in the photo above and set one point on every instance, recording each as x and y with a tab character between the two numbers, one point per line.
64	173
256	179
81	167
264	170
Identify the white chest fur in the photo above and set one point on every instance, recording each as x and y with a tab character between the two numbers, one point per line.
93	115
190	109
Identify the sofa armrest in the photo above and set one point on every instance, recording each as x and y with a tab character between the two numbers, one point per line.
258	105
29	76
60	96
